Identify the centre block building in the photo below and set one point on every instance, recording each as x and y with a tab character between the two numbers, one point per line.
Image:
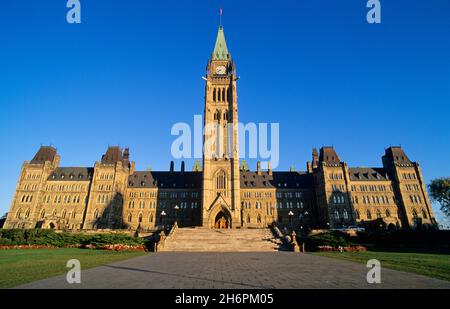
113	195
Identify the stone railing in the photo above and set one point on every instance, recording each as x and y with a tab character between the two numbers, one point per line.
162	238
289	240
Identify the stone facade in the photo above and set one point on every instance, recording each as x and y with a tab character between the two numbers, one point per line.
112	195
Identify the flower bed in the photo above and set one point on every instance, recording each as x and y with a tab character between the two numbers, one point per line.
25	247
342	249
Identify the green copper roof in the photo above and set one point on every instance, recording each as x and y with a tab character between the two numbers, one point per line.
220	49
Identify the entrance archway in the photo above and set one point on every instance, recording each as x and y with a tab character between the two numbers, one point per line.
222	220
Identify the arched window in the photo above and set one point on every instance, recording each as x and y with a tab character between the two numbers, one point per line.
130	218
248	218
414	213
369	215
357	215
223	95
19	212
345	214
42	214
140	218
151	218
259	218
221	182
96	214
214	95
27	213
424	214
336	214
63	214
388	213
378	214
219	95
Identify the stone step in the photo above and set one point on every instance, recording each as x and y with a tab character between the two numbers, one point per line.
229	240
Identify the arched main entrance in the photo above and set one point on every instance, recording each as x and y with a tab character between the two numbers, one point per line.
222	220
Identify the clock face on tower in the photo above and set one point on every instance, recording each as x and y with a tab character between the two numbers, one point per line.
221	70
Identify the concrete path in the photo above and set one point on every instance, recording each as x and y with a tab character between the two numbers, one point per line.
236	270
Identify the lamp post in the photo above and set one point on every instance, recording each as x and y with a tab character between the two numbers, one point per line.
291	214
163	214
176	214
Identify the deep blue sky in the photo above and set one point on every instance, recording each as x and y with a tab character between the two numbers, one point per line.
133	68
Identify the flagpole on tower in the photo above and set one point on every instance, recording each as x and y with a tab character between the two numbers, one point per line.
220	16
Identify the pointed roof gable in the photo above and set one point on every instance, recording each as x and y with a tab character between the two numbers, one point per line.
220	49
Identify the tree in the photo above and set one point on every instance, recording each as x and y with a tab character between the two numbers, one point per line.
149	169
244	166
440	192
197	166
292	168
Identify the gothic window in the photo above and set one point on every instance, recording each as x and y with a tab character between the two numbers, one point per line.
221	182
336	214
369	215
214	95
388	213
259	218
414	213
223	95
357	214
248	218
345	214
424	214
19	212
96	214
130	218
64	214
140	218
151	218
378	214
42	214
27	213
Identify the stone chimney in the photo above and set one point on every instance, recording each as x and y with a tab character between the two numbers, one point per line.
182	167
259	168
132	167
270	169
172	166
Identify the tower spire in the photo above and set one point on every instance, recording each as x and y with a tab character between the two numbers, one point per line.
220	48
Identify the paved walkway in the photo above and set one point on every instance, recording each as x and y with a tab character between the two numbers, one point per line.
236	270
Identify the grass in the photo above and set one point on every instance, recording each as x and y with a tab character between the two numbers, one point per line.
21	266
429	264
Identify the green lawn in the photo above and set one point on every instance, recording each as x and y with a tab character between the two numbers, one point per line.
22	266
428	264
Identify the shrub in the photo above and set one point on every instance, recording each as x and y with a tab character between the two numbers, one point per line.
51	238
332	239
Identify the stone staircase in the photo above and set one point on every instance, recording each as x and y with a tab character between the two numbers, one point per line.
223	240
